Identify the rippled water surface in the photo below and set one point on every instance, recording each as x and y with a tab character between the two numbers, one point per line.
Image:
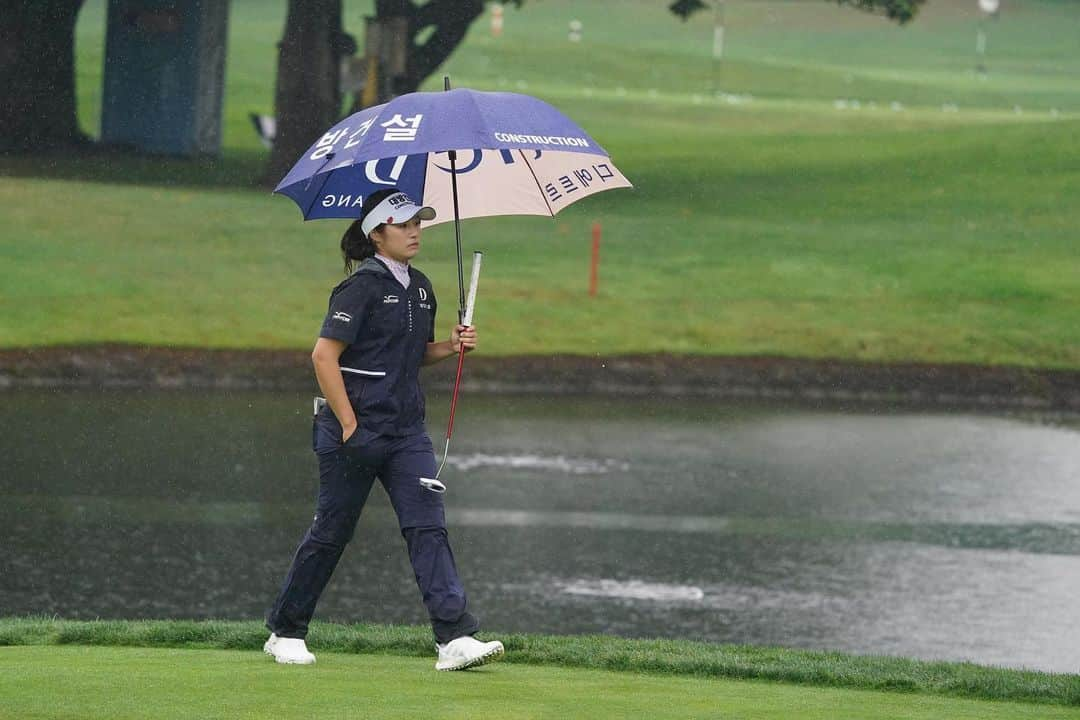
933	535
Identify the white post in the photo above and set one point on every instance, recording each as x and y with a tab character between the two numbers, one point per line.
980	49
718	42
718	30
989	8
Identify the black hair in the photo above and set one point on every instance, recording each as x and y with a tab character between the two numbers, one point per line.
355	245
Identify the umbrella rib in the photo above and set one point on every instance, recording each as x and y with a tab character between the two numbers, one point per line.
537	181
315	195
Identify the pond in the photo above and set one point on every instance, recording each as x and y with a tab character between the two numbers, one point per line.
904	532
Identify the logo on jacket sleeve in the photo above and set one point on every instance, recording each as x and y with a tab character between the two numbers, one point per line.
343	317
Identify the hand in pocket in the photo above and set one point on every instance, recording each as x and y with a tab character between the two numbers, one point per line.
352	447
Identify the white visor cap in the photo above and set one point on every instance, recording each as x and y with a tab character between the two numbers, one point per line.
397	208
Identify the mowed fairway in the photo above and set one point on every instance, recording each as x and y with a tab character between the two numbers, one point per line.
766	219
102	682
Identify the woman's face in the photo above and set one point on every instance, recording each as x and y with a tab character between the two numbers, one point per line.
399	241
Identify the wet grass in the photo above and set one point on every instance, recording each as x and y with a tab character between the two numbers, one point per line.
838	247
136	682
649	658
776	226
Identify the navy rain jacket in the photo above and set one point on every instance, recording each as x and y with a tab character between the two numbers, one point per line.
387	328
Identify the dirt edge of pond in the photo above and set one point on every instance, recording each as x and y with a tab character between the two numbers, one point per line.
667	375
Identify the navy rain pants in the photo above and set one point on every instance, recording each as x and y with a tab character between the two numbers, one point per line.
346	475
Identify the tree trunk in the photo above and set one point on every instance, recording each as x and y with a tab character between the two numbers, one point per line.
449	18
308	97
37	75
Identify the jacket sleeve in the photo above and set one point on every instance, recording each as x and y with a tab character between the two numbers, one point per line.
349	306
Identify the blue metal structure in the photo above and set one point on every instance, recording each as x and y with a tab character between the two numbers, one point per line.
164	75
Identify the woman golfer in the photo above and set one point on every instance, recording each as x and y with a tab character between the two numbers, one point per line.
378	331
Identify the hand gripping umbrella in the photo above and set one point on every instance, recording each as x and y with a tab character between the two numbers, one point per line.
463	152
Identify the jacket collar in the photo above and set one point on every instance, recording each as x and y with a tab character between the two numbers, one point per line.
371	265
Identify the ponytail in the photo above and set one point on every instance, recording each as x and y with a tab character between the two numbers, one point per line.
355	247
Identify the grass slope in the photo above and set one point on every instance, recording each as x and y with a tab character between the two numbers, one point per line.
594	653
118	683
779	225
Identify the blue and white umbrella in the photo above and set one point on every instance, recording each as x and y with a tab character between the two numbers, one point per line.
515	155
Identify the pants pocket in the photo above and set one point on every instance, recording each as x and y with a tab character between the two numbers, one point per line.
325	432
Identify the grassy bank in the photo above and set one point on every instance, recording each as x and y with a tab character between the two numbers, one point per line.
655	658
767	220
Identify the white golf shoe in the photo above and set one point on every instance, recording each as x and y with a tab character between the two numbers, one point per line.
466	652
288	651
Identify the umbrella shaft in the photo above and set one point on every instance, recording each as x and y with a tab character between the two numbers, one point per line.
457	236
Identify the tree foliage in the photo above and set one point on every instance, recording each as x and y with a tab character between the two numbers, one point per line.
899	10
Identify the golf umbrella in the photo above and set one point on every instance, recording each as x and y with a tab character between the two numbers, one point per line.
517	155
463	152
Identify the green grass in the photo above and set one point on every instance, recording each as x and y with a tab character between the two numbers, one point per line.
777	226
117	668
116	683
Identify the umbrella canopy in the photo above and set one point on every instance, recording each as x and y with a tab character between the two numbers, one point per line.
515	155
